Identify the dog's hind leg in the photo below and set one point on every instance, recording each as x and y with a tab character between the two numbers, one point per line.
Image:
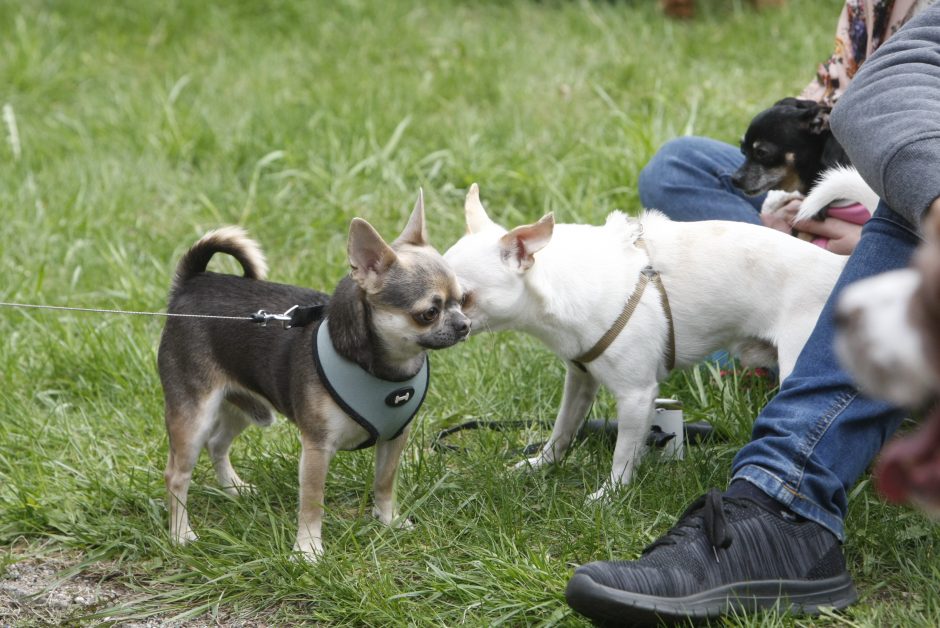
315	459
231	422
387	458
189	425
580	391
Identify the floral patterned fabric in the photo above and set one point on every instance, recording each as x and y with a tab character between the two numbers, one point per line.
863	26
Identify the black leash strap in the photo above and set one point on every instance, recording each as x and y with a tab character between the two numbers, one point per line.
694	433
303	315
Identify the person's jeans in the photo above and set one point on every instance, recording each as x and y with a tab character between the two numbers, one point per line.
818	434
689	179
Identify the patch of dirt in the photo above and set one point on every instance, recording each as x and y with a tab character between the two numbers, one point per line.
47	591
34	591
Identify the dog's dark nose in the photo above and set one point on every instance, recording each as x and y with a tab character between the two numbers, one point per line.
462	327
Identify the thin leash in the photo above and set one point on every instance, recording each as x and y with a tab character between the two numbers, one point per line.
261	317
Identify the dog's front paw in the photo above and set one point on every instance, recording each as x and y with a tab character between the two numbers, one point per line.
535	462
310	550
239	489
605	493
392	519
776	201
183	537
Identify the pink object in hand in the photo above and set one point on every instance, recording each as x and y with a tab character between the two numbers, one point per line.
856	213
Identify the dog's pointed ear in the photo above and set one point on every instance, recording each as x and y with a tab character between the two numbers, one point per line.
369	256
477	219
520	245
820	122
813	116
789	102
415	232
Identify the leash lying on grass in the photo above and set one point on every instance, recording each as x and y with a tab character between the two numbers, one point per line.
697	432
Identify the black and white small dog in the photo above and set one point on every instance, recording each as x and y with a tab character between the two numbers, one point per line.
220	376
786	147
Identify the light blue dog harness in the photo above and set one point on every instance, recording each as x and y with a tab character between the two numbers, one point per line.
384	408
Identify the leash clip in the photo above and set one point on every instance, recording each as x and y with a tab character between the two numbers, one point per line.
263	317
649	271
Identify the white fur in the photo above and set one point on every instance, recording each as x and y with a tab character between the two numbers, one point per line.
776	200
842	183
727	282
877	342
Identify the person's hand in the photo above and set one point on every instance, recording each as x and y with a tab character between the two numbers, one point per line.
843	236
780	209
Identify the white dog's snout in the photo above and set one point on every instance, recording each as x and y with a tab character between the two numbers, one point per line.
877	342
847	317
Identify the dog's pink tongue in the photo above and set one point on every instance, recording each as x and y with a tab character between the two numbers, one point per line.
910	466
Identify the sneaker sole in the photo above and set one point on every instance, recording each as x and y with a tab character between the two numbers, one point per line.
615	607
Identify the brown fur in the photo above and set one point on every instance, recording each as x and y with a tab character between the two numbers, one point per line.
220	376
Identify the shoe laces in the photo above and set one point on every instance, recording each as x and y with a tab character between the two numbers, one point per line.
707	513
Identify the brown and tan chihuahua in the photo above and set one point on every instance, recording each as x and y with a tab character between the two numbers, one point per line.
220	376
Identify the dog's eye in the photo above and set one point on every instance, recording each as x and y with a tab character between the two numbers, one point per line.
465	299
430	315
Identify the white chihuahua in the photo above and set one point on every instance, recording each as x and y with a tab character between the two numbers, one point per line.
578	288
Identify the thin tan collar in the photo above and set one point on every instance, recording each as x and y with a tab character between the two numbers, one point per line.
647	275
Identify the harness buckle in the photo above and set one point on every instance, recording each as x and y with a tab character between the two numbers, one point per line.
649	271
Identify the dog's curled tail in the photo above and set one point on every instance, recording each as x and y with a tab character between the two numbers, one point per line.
841	183
232	241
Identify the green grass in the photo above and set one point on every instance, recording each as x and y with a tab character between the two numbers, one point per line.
143	124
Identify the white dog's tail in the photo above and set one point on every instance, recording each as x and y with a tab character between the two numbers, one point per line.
837	184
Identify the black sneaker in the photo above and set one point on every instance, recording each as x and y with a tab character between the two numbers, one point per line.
724	555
